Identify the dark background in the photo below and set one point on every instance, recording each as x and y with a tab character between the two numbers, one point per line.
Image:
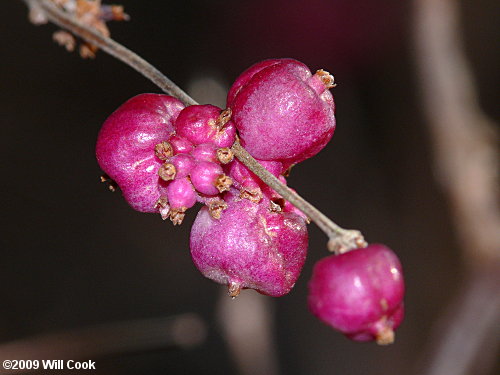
73	255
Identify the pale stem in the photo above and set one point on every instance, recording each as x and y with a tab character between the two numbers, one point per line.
340	240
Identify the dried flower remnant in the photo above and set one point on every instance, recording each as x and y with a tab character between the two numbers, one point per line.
91	13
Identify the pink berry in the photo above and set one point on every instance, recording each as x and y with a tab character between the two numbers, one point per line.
205	124
209	178
360	293
250	247
183	164
205	152
181	196
226	136
282	111
180	145
126	143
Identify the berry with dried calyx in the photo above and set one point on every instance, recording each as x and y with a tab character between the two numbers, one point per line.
360	293
209	178
250	246
127	143
180	196
180	145
282	111
205	152
205	124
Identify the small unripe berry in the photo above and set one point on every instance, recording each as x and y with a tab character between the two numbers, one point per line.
205	177
183	164
206	124
360	293
205	152
180	145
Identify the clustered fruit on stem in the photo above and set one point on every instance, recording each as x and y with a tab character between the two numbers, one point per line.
166	157
252	231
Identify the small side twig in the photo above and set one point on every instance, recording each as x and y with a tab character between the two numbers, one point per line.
340	240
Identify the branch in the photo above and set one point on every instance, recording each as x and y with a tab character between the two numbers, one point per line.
340	240
120	52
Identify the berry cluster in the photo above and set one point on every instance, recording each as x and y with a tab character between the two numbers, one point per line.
166	157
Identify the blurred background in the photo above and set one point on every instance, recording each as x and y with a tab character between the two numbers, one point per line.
73	255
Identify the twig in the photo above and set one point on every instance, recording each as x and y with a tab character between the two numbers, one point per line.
466	154
120	52
340	240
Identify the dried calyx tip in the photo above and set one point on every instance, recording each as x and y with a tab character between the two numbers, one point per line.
234	290
112	185
327	79
385	336
224	117
215	208
254	195
167	172
223	183
177	215
225	155
164	150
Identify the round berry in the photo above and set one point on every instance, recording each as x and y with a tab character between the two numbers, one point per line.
250	246
360	293
282	111
208	178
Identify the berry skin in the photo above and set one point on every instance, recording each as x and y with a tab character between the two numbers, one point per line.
250	247
281	111
205	152
180	145
126	145
183	164
208	178
360	293
205	124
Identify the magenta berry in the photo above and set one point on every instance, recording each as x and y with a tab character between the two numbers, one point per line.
205	152
126	145
360	293
250	247
208	178
180	196
205	124
282	111
180	145
183	164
